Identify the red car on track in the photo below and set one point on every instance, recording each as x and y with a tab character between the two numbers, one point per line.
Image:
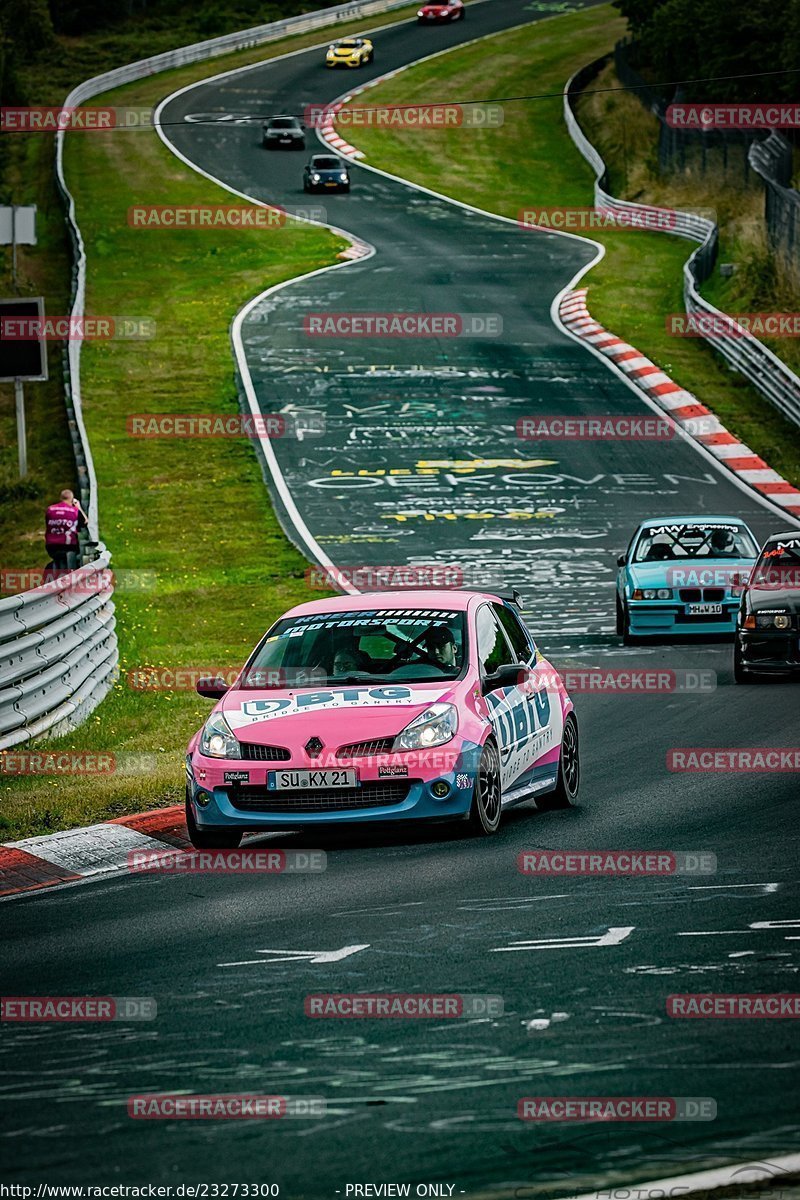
448	10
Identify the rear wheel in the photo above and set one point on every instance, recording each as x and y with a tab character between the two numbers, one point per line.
210	839
569	770
484	816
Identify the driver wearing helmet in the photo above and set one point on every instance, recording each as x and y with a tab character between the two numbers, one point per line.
439	644
722	542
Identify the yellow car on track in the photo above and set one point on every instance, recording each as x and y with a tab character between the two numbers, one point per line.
350	52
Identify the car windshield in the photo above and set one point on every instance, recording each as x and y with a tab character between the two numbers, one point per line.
778	567
324	164
361	646
282	123
346	45
701	539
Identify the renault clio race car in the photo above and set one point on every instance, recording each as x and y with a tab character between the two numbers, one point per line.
350	52
768	627
413	705
683	575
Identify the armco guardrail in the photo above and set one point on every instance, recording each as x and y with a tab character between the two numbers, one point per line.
58	653
744	352
58	646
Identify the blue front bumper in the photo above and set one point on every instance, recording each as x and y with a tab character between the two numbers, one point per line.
653	618
221	811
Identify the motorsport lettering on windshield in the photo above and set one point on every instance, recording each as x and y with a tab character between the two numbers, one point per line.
377	616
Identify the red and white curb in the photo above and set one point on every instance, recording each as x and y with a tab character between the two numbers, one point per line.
58	858
684	408
327	130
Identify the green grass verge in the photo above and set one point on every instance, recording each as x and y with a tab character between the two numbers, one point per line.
531	161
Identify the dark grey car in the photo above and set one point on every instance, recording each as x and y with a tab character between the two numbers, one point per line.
283	133
326	173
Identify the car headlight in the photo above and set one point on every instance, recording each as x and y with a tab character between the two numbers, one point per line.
433	727
773	621
217	741
315	178
652	594
343	177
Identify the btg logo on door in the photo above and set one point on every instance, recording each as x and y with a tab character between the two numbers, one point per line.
518	722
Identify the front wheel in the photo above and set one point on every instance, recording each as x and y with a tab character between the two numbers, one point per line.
210	839
569	770
484	816
620	619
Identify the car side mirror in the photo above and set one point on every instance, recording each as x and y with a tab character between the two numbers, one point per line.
509	675
211	689
621	560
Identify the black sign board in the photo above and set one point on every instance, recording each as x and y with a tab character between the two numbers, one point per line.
21	357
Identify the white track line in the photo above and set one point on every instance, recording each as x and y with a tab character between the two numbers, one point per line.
718	1177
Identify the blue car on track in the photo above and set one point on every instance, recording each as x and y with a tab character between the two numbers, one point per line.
683	575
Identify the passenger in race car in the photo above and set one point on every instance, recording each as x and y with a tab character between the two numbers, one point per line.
349	658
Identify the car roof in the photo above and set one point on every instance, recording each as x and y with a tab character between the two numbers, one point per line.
317	157
790	534
702	519
429	598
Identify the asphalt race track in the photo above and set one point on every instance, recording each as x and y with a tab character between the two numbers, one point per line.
431	910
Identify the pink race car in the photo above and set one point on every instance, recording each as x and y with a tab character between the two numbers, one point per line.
388	706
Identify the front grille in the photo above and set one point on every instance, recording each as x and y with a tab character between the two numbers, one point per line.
376	794
361	749
712	595
257	753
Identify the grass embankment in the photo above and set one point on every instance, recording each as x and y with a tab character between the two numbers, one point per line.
530	161
195	516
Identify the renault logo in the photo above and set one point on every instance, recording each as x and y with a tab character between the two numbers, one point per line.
313	747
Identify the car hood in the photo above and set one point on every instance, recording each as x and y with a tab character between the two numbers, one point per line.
780	599
706	572
338	716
